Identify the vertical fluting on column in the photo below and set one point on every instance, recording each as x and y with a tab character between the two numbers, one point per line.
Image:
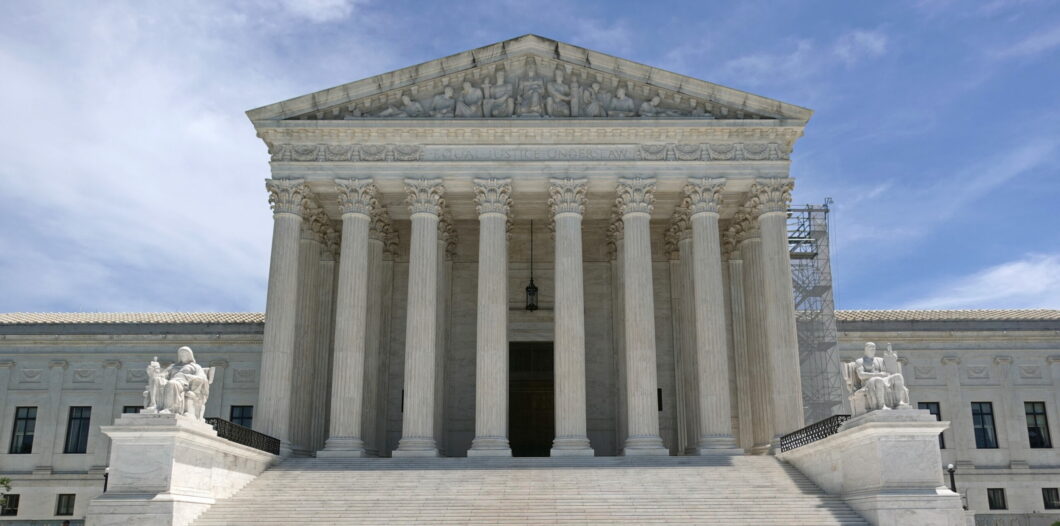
771	198
616	246
754	323
446	249
635	198
676	298
287	198
737	321
378	230
567	205
493	202
321	383
417	425
687	324
306	328
703	198
357	200
390	250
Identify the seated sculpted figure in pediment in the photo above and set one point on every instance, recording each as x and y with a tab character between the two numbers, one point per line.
875	383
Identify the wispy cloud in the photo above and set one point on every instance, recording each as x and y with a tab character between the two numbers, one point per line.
854	46
1032	281
1036	43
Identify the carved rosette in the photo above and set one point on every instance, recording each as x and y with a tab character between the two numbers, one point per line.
635	195
771	195
425	196
493	196
703	195
357	196
287	196
567	196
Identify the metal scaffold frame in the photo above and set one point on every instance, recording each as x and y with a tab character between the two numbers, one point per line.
811	276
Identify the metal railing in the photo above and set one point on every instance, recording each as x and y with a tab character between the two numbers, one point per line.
245	435
812	433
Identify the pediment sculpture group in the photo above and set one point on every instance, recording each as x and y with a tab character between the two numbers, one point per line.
875	383
182	388
533	96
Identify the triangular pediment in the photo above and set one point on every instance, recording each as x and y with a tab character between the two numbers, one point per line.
529	77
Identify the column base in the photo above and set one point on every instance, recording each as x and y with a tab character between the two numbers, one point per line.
490	446
342	447
760	449
416	447
571	447
410	453
481	452
650	445
717	445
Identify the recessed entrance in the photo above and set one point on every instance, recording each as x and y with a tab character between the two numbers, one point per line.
531	399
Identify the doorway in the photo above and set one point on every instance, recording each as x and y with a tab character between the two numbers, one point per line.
531	398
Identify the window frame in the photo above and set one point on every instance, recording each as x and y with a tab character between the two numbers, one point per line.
992	497
16	433
981	425
1042	424
1055	500
65	498
938	417
135	407
6	510
84	425
238	420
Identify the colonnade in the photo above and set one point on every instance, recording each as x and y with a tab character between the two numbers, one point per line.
762	321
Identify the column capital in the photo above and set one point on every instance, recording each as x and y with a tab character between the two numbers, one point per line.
703	195
447	233
380	227
332	242
635	195
729	245
493	196
567	196
744	225
771	195
315	222
615	232
287	196
425	196
357	196
680	229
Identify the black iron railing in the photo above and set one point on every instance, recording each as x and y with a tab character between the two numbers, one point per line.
245	435
813	432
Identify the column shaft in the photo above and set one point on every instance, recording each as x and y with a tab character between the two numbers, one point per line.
745	437
761	405
322	373
274	394
689	368
491	358
305	343
373	358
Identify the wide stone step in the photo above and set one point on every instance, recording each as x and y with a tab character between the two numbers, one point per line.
613	490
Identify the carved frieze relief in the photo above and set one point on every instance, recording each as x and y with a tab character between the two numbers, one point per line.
84	376
244	376
31	376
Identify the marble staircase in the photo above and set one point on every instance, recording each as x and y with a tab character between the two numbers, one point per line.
745	490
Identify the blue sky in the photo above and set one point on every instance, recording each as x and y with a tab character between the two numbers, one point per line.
132	180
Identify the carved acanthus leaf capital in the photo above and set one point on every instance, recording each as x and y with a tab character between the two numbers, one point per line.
447	233
425	196
679	229
635	195
703	195
380	226
357	196
567	196
729	245
287	196
771	195
744	225
493	196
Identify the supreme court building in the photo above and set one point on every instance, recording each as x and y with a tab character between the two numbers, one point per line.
532	249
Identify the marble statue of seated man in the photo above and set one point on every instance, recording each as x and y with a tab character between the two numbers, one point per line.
875	383
182	388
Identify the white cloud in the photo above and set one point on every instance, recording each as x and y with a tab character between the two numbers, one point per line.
854	46
1032	281
1033	44
320	10
765	68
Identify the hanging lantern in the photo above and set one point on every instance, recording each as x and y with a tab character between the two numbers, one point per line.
531	289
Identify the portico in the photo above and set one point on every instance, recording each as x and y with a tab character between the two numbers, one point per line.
423	216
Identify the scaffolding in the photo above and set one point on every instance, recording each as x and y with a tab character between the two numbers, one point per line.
811	275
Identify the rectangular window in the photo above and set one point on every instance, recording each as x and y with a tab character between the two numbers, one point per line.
22	435
77	430
658	398
996	498
1051	497
242	415
1037	425
933	408
983	420
10	506
65	504
130	409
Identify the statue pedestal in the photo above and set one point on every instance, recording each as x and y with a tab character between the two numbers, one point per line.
165	470
887	466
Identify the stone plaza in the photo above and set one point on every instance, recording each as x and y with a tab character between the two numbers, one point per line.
529	249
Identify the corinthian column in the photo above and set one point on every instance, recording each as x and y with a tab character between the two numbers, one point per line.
771	198
373	359
567	204
417	425
737	307
712	361
306	328
635	198
750	245
493	201
274	394
356	202
687	324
